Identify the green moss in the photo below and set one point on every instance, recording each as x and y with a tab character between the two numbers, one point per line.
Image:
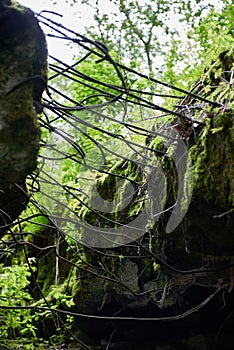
158	144
212	156
112	190
211	160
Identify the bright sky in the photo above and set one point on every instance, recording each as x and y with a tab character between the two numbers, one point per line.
75	17
78	16
71	15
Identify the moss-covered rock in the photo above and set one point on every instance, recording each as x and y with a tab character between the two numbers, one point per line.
23	56
23	77
169	273
207	228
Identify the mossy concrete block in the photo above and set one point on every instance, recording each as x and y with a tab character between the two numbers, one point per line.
23	77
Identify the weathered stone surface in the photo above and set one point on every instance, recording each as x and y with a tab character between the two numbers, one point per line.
23	57
185	276
23	77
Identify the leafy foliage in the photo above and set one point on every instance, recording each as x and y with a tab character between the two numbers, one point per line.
15	323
